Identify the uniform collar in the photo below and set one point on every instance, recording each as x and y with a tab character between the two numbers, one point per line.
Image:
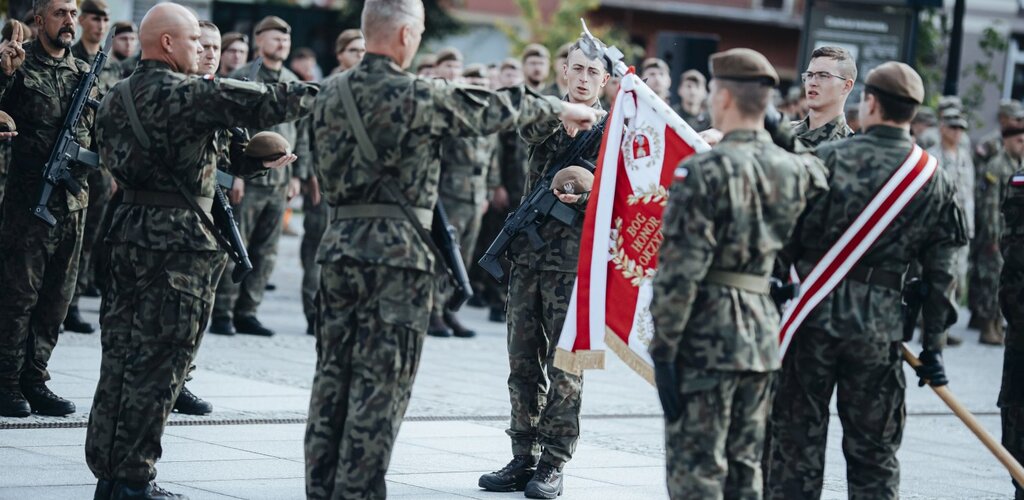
153	65
888	132
747	135
379	62
39	53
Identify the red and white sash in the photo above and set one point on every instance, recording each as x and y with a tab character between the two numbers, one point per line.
826	275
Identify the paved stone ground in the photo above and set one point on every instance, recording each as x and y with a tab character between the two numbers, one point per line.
251	447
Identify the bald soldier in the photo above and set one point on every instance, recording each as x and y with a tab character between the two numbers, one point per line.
851	340
378	157
714	371
157	131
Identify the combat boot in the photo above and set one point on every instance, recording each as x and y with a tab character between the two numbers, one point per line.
512	477
457	328
91	291
104	488
221	326
546	482
142	491
251	326
44	402
992	332
437	327
73	322
190	404
497	315
13	404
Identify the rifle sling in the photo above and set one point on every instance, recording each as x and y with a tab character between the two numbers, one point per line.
124	89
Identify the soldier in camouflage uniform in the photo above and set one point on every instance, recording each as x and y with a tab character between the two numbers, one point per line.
261	213
1011	299
40	263
545	400
852	338
1010	115
988	223
5	143
714	368
378	275
163	257
956	161
827	82
693	93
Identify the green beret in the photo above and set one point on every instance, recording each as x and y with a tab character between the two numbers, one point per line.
653	62
231	37
98	7
123	27
448	54
536	50
897	80
694	76
743	65
272	23
267	146
475	70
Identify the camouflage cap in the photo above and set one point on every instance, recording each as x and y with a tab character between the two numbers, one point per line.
896	80
510	63
7	123
448	54
951	117
949	101
475	70
267	146
536	50
573	180
123	27
98	7
654	62
231	37
1010	108
743	65
346	37
692	75
925	115
563	51
272	23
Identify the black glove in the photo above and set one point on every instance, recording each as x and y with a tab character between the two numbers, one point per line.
666	378
931	370
781	292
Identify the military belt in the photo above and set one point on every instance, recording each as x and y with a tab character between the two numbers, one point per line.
866	275
743	281
381	211
164	199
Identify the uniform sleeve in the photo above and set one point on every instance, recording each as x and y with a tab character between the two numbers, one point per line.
817	191
938	263
222	103
302	168
687	251
469	111
986	209
493	166
6	82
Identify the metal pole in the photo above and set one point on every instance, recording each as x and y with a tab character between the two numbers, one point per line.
952	86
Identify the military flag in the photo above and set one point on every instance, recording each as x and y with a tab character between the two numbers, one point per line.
643	143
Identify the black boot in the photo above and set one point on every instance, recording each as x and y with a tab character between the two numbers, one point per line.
104	488
13	404
512	477
73	322
497	315
142	491
190	404
221	326
460	331
252	326
91	291
546	482
44	402
437	327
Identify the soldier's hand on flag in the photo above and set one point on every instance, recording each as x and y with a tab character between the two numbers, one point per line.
12	54
576	117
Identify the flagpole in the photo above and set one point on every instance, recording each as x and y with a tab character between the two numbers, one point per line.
997	449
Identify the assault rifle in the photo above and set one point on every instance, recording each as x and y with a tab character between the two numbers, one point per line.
67	152
539	206
447	241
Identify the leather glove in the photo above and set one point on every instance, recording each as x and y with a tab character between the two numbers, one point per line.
931	370
781	292
666	378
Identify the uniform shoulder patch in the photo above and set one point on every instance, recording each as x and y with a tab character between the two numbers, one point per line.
991	178
1017	180
680	174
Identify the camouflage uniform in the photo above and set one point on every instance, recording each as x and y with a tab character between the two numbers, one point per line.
377	276
545	399
988	146
851	340
5	160
40	263
314	223
834	130
163	259
722	338
261	212
960	170
986	259
1011	298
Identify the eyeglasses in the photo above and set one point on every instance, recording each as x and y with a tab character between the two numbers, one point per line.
820	75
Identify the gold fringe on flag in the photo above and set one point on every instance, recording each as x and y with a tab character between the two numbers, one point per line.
576	362
626	354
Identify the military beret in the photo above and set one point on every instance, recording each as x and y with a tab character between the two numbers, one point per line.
951	117
694	76
267	146
448	54
654	62
231	37
1011	108
925	115
98	7
896	80
7	123
1012	131
123	27
743	65
475	70
8	30
510	63
272	23
346	37
563	51
426	61
536	50
573	180
949	101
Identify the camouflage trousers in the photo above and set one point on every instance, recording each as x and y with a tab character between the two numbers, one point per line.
152	320
314	224
871	387
37	280
261	218
465	217
100	183
545	400
983	280
371	323
714	449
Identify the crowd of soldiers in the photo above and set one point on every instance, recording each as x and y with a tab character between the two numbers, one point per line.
373	148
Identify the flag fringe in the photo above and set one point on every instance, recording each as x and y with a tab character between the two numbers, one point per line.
626	354
576	362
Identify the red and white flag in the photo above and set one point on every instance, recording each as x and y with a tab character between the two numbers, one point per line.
644	141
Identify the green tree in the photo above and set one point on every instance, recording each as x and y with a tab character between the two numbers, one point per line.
563	26
993	44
